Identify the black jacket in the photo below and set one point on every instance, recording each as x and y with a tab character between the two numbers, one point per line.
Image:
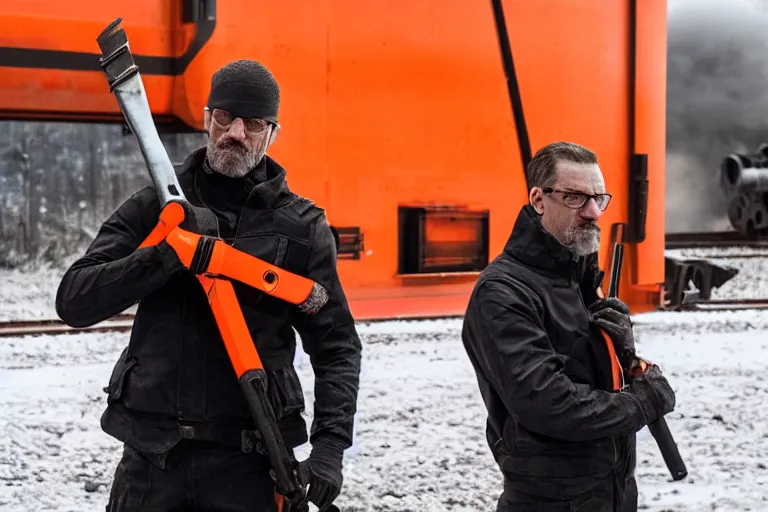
174	380
554	426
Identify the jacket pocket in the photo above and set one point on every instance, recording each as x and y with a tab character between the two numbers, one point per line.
524	443
286	394
117	380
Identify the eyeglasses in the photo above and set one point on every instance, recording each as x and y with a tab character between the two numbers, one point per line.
252	124
577	200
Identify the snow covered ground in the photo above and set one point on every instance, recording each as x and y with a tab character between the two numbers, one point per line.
27	296
419	438
420	441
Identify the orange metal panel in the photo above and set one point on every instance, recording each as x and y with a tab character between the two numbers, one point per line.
291	39
575	85
650	133
418	106
59	26
393	103
73	27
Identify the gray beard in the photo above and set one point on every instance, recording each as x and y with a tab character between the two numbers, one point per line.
229	162
583	240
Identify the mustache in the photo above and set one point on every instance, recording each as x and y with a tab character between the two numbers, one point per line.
230	144
589	226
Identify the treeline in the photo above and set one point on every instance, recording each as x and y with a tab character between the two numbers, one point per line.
59	182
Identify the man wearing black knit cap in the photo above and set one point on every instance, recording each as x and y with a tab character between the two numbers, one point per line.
247	90
173	399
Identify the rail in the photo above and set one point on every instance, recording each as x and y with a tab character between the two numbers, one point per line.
695	240
124	322
13	328
709	239
724	305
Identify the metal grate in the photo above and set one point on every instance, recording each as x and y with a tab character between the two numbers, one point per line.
349	243
442	239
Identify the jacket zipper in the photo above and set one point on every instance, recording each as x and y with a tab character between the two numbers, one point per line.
613	439
240	215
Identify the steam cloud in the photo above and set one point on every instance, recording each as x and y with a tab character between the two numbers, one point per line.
717	102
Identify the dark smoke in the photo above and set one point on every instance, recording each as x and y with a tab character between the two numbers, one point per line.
717	102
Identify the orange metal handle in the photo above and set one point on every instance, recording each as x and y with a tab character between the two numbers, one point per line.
170	217
229	317
237	338
616	373
639	367
235	264
226	261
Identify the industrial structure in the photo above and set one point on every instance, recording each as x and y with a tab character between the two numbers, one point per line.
410	122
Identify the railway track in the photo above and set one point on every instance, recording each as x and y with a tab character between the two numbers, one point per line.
715	239
704	273
724	305
123	322
15	328
697	240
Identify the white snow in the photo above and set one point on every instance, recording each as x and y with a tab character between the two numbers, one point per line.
27	295
420	441
30	295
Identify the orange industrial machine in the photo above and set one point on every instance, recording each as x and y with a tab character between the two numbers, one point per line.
409	122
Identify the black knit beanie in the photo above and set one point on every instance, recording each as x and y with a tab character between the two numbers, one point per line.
245	88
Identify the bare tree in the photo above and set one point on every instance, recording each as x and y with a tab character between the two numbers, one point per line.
59	181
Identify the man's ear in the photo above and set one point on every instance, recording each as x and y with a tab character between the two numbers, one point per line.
207	120
273	131
535	197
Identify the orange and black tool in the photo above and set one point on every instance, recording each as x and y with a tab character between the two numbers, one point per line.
220	259
617	373
215	263
659	429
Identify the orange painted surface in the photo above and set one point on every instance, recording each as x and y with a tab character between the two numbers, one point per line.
49	25
234	331
647	264
394	103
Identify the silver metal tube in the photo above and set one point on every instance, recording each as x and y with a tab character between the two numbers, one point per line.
125	82
744	173
753	179
133	102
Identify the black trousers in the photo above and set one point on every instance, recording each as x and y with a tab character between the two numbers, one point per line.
610	495
199	477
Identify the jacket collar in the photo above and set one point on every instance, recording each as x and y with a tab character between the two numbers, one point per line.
533	246
268	193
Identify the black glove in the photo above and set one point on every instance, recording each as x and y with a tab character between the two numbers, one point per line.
612	316
200	220
654	393
322	471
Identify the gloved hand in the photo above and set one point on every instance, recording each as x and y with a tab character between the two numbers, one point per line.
612	316
194	251
654	393
200	220
322	471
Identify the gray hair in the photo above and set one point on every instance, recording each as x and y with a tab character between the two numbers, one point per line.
542	169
